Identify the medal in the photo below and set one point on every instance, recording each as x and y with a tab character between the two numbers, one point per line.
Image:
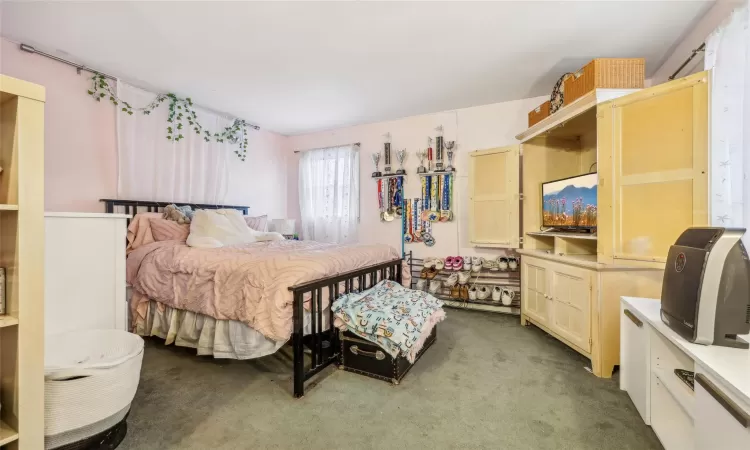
445	206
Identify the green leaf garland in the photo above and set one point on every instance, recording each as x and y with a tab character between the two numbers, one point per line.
181	115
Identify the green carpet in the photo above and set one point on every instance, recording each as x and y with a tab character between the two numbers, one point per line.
486	383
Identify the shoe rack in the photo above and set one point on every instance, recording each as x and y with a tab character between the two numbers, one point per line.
508	279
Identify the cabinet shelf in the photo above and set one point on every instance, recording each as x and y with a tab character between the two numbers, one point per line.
563	235
7	434
8	321
7	207
681	393
587	261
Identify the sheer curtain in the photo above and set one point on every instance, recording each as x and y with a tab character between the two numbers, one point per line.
728	54
329	194
152	168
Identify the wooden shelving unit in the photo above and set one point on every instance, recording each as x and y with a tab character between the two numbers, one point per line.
22	256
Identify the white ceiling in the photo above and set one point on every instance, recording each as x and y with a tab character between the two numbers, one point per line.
300	67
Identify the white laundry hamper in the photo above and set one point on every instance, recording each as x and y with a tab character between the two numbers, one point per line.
90	380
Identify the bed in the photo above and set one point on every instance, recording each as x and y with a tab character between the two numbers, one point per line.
252	298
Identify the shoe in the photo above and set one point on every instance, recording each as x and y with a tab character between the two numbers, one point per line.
452	279
473	293
496	293
476	264
507	296
464	293
450	262
464	277
435	286
456	292
476	261
513	263
421	284
429	262
439	264
431	273
483	293
467	262
490	264
502	263
458	263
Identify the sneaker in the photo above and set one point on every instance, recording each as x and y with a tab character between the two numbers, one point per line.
464	277
456	292
490	264
473	293
483	293
476	264
502	263
439	264
452	279
449	262
458	263
467	262
430	262
464	293
496	293
476	261
513	263
435	286
421	284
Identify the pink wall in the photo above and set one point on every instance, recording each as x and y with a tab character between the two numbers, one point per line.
472	128
80	158
80	161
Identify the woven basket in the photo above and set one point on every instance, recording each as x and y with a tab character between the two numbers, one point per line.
539	113
612	73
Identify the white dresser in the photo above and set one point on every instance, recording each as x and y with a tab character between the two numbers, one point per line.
84	285
714	416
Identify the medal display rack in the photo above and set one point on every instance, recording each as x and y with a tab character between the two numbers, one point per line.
431	174
508	279
393	175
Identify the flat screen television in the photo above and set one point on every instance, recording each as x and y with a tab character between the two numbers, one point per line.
570	203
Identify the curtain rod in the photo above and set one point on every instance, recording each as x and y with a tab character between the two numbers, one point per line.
687	61
302	151
79	68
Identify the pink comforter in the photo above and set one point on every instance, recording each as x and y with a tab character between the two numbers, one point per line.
248	283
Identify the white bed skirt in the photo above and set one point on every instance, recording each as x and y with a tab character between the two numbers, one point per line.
209	336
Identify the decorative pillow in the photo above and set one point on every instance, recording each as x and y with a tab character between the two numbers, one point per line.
169	230
259	223
179	214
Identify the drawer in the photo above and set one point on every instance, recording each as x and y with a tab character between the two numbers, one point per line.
665	356
634	361
672	425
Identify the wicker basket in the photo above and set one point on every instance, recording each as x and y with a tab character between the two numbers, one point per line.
539	113
612	73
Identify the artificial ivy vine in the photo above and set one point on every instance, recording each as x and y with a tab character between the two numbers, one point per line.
181	119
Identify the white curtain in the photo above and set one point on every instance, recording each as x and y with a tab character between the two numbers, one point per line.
728	54
329	194
150	167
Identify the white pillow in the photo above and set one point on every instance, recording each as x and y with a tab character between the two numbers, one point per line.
212	228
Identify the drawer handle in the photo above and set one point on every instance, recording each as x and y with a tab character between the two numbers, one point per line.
377	355
633	319
742	417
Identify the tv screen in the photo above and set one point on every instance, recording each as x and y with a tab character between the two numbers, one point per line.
570	202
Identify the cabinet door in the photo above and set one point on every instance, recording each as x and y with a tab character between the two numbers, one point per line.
571	304
655	178
635	372
719	420
536	291
494	197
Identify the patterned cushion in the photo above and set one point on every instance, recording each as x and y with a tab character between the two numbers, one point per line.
179	214
169	230
259	223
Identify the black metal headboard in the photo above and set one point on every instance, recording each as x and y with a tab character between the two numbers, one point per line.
132	206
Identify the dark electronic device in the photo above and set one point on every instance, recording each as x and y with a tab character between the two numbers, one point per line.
705	296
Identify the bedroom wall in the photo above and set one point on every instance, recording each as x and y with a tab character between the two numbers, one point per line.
80	161
473	128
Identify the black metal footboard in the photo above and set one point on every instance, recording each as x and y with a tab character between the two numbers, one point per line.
323	344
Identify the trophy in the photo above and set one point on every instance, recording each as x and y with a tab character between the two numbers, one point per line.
401	156
387	152
376	160
439	150
449	147
421	154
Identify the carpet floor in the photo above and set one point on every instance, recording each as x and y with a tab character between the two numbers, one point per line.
486	383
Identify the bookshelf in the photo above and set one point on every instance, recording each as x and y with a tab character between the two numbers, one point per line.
22	256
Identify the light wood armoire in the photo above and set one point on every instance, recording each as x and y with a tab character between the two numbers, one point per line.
650	149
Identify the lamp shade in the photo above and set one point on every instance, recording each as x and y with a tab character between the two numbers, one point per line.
283	226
